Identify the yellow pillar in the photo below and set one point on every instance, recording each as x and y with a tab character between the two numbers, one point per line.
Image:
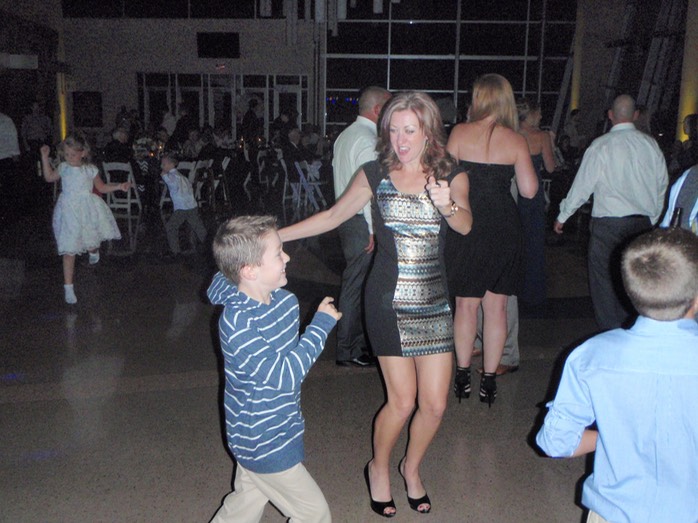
62	105
575	88
688	97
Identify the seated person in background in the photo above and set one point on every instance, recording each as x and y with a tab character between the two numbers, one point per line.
223	138
292	149
630	395
265	362
185	207
118	150
313	141
161	138
193	145
208	149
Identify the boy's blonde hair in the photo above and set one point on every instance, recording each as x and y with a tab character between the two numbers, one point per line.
660	273
239	242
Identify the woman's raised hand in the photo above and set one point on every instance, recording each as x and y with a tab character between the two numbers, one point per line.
440	194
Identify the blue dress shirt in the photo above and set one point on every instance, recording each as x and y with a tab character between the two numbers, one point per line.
640	386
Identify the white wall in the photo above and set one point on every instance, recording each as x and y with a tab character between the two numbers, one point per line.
106	54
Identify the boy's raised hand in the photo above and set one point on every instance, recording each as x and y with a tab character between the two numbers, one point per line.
327	307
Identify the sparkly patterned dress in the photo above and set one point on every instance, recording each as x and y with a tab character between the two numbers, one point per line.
407	308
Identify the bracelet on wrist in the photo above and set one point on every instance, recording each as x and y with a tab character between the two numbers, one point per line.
452	210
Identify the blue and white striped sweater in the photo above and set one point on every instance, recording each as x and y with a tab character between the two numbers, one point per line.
265	363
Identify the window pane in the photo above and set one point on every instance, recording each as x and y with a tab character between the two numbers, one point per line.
493	39
342	106
347	73
287	80
364	11
512	70
254	80
359	38
189	80
422	75
553	71
218	9
424	39
489	10
92	9
156	79
560	10
424	10
558	39
156	8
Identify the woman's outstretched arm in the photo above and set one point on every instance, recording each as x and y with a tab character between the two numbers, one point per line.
352	201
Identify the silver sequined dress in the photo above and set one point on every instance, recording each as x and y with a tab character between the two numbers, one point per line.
407	309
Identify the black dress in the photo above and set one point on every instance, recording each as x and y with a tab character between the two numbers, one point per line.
407	309
489	258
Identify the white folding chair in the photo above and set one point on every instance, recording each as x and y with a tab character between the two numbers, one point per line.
117	172
219	180
198	176
311	184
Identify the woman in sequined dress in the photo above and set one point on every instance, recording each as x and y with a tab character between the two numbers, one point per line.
417	193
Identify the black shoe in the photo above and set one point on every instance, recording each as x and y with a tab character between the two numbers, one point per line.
461	384
488	388
362	361
415	503
379	507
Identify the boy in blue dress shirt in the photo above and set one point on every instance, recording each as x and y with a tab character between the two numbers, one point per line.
186	210
265	362
639	388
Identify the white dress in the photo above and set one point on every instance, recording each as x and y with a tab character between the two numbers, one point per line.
81	219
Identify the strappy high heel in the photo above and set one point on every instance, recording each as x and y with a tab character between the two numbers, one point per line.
415	503
488	388
379	506
461	384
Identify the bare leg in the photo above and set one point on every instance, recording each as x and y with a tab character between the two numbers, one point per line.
494	329
465	329
68	268
401	384
433	383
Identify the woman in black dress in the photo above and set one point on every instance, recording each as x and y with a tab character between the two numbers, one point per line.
485	266
417	192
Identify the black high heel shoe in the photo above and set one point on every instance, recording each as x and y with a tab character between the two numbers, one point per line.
488	388
379	506
415	503
461	384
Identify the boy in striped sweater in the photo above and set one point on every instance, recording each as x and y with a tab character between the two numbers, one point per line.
265	362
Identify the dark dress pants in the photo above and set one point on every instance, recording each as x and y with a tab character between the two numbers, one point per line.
609	236
351	340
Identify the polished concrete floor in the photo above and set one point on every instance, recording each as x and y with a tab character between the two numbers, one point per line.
110	408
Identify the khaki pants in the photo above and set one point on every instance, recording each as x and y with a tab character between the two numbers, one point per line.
593	517
293	491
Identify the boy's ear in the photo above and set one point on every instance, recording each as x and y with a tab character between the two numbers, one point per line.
693	311
248	272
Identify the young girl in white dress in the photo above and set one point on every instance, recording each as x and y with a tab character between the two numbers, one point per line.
81	219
